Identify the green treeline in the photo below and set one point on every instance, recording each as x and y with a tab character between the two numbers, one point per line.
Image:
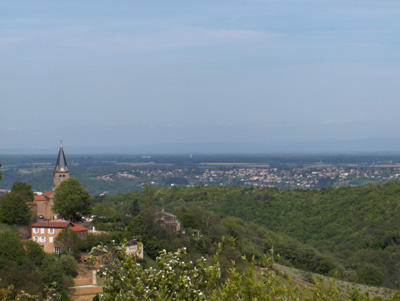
26	267
351	231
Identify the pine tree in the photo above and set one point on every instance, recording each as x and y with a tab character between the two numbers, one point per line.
135	207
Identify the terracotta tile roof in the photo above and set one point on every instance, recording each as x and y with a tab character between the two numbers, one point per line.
58	224
78	228
38	197
48	193
51	224
43	197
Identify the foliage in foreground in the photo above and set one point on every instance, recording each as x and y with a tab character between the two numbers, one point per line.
50	294
176	279
26	270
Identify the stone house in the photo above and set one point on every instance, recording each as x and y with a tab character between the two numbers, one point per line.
45	233
167	220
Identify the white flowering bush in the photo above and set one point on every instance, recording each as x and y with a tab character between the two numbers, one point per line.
126	279
175	279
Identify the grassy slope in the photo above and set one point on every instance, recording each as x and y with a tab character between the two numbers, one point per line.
303	279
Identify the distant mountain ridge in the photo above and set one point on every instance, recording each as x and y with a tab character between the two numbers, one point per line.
372	145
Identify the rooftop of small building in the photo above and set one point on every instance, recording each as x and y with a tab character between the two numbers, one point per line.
58	224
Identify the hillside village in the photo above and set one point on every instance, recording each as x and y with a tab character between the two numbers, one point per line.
55	233
201	219
215	150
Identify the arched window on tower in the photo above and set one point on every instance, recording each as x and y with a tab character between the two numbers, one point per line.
61	178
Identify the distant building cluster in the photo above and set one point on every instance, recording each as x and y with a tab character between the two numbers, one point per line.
317	176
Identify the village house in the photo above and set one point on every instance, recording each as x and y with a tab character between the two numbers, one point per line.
45	233
167	220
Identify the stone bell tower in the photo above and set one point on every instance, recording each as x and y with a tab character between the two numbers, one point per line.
61	171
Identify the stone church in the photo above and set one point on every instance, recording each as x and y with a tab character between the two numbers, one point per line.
42	204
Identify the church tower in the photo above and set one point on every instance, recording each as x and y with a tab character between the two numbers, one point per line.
61	171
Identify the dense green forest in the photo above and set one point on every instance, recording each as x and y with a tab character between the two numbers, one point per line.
350	231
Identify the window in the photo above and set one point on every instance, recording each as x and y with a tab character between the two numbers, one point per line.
57	250
35	238
35	230
51	239
42	238
51	230
41	230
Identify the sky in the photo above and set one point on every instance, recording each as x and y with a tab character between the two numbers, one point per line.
126	73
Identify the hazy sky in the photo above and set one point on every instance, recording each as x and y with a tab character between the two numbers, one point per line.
122	73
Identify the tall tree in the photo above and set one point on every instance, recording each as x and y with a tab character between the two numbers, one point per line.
34	252
135	209
14	210
149	196
24	189
53	275
71	199
11	249
70	266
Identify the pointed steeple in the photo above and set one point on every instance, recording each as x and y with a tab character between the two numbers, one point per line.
61	165
61	171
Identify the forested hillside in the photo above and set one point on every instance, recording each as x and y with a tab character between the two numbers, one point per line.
357	226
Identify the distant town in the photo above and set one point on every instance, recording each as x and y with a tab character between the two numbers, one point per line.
304	178
114	174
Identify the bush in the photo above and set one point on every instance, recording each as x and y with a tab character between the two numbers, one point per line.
371	275
175	278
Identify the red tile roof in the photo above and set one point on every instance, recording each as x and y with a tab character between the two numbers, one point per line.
38	197
51	224
48	193
78	228
43	196
58	224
